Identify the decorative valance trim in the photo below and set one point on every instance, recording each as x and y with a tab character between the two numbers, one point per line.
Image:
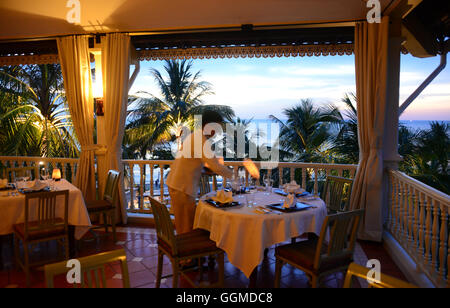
25	60
244	52
208	53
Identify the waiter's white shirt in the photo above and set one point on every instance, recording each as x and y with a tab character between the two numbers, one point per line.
186	170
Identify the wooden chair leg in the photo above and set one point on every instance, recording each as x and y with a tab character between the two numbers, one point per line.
159	270
278	267
27	264
67	247
175	274
314	281
113	225
16	252
221	263
105	221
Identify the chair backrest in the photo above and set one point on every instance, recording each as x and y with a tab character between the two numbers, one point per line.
205	187
385	281
41	211
340	229
15	172
93	273
110	192
164	226
337	192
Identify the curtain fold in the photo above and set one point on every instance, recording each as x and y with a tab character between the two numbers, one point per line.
371	53
116	60
75	66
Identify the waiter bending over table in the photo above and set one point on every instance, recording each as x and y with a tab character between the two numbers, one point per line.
194	154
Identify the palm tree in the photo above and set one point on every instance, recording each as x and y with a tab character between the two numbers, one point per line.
306	132
346	144
34	118
238	130
159	119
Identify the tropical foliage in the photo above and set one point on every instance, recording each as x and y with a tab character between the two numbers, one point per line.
306	133
34	119
156	119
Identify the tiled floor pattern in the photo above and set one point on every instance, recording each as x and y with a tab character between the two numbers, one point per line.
141	248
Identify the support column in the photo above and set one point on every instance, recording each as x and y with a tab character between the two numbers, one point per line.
390	142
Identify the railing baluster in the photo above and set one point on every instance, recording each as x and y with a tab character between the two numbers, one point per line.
415	201
304	170
422	224
428	232
410	217
443	242
435	236
152	190
280	175
161	171
391	217
142	186
316	181
132	205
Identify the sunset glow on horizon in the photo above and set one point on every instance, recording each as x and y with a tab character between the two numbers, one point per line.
259	87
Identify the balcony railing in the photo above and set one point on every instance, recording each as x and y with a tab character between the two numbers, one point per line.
68	166
149	178
419	221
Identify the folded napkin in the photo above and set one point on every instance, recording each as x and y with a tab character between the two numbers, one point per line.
289	201
25	185
293	187
3	183
223	196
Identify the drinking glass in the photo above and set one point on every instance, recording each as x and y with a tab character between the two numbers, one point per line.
267	184
250	198
44	174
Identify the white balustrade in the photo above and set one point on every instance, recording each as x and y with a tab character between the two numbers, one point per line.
138	193
418	220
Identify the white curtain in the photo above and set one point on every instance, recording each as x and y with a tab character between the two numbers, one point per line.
75	65
371	46
116	60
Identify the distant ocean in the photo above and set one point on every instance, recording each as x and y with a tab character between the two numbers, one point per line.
270	132
416	125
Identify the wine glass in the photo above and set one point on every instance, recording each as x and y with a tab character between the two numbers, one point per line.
44	174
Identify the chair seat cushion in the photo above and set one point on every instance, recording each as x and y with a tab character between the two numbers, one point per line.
196	242
303	254
99	206
19	229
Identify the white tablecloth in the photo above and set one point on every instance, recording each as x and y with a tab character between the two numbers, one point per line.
244	234
12	210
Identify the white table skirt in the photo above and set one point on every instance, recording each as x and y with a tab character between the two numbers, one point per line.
12	210
244	234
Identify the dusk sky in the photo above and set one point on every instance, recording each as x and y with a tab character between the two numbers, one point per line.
256	88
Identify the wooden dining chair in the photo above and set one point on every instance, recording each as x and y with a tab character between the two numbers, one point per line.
336	194
15	172
92	270
42	225
385	281
107	206
187	246
318	258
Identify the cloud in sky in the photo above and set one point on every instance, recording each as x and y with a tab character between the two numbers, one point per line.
256	88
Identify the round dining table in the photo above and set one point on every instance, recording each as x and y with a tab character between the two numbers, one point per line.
245	231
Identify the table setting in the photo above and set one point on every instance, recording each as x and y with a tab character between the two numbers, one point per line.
12	202
244	224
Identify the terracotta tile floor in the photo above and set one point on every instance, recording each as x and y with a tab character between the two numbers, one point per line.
140	246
